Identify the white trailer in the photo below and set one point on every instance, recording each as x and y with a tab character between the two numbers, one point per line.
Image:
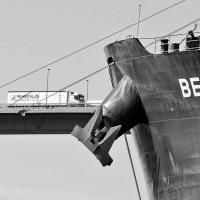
44	98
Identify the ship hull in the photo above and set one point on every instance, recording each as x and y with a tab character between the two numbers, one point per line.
170	158
169	143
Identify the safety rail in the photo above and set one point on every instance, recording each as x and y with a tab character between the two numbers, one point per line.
172	43
38	105
48	106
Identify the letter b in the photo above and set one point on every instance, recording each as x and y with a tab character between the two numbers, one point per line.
186	92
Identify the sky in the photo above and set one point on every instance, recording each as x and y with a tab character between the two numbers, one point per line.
35	33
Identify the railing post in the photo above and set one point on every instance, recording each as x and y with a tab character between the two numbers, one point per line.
155	40
186	41
169	42
87	84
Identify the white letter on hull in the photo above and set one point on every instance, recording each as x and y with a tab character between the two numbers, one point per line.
195	87
185	87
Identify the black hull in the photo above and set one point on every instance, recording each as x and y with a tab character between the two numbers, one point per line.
169	144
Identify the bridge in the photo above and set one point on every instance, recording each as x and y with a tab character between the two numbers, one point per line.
42	120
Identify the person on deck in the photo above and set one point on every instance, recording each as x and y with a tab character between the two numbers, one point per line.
192	42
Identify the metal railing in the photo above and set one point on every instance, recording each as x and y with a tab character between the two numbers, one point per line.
48	106
42	105
183	41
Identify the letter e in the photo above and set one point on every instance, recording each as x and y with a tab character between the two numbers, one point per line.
195	87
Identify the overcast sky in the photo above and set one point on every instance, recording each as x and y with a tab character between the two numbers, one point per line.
34	33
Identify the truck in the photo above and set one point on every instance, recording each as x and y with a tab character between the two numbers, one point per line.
45	98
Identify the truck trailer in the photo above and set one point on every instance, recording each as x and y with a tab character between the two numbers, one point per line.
44	98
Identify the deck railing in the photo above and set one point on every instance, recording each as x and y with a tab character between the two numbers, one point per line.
183	41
